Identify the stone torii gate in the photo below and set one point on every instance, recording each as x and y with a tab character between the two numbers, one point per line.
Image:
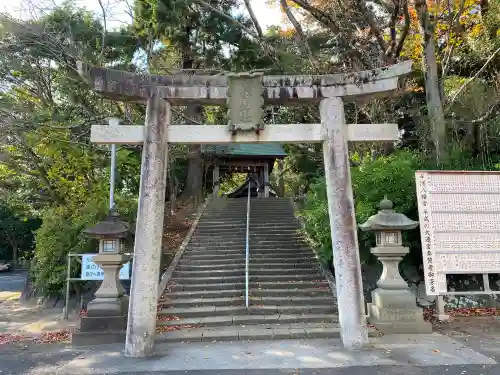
162	92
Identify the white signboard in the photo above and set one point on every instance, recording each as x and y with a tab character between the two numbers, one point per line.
91	271
459	216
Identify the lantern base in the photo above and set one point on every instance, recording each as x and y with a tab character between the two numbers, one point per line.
97	338
396	311
103	324
108	307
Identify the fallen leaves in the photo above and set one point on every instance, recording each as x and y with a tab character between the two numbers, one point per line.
162	329
429	314
167	318
52	337
42	338
9	338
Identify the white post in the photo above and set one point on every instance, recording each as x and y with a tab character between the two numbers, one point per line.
343	226
266	180
441	309
141	325
112	178
216	182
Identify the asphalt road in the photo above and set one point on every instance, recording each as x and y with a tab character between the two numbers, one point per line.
12	281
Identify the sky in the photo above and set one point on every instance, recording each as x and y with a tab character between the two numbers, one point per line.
117	9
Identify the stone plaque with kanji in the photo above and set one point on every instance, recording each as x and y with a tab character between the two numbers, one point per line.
245	101
459	221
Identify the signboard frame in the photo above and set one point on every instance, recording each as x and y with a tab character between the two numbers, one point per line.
454	238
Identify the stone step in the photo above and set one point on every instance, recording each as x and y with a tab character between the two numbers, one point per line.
236	232
279	246
268	221
256	213
254	255
253	252
254	238
249	333
241	266
307	292
208	273
237	320
254	224
241	271
207	301
206	294
311	292
221	259
242	226
209	311
297	285
253	278
253	301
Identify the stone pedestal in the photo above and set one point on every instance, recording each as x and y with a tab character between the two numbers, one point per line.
394	308
106	319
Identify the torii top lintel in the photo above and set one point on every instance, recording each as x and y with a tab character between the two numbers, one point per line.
182	89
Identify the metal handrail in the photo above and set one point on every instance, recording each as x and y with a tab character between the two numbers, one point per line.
247	246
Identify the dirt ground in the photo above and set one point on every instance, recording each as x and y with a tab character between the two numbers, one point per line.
23	320
481	333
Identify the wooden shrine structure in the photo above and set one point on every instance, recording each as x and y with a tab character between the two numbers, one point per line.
245	95
254	158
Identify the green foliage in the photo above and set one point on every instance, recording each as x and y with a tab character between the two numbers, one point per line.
231	181
392	176
61	233
16	234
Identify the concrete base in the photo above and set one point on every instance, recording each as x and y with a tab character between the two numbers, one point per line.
104	307
106	324
395	311
97	338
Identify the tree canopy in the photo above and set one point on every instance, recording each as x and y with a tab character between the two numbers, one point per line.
51	175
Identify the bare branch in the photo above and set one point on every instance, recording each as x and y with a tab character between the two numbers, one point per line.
462	88
405	31
453	23
104	28
300	33
266	47
367	14
493	112
254	18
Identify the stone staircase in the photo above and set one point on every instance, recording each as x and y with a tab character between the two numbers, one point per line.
289	296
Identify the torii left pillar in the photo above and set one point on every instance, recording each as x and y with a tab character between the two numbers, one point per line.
141	325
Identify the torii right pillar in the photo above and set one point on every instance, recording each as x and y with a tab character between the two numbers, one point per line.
346	261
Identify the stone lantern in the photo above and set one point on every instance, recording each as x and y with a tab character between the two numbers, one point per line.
393	308
106	318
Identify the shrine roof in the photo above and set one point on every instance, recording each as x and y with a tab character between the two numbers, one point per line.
246	149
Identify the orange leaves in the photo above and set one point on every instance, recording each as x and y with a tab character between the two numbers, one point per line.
52	337
10	338
463	312
167	318
287	33
177	327
43	338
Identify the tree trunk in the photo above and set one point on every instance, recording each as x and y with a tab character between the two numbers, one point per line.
281	180
193	188
432	91
172	189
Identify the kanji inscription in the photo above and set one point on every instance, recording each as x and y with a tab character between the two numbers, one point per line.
459	214
245	101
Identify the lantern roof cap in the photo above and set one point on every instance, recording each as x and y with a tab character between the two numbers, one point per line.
111	227
388	219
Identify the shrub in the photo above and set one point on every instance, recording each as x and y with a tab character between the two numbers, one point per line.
61	233
392	175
